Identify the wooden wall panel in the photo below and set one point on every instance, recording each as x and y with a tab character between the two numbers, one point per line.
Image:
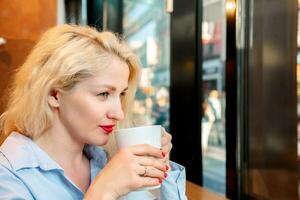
21	24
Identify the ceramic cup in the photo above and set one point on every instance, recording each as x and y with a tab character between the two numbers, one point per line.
140	135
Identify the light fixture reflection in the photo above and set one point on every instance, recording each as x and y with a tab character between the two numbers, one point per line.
230	6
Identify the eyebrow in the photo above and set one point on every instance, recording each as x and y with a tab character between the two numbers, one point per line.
112	87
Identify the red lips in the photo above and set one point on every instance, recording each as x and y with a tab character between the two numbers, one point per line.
107	128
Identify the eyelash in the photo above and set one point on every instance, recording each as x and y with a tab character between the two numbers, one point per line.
103	94
106	94
123	94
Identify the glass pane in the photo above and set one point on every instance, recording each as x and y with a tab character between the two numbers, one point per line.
72	11
146	27
213	121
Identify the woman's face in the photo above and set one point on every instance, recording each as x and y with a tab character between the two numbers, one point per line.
91	109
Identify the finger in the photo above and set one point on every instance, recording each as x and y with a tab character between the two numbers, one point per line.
149	171
141	170
167	148
152	162
149	181
166	137
166	159
146	150
168	168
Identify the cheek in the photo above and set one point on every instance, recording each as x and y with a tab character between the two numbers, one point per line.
91	110
96	113
83	109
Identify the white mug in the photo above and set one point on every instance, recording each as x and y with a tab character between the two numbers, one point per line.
151	135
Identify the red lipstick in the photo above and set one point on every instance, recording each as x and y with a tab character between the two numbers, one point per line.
107	128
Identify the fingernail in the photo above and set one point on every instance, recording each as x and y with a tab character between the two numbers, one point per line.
167	167
159	180
163	154
165	175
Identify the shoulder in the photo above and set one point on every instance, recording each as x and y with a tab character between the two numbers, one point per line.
16	152
12	187
4	162
7	172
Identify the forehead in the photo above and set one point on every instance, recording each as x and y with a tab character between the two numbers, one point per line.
114	72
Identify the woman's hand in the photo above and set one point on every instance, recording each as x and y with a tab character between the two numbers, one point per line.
166	147
131	168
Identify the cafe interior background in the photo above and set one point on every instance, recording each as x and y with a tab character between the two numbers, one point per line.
223	76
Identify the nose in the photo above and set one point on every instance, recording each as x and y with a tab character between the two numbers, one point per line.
116	111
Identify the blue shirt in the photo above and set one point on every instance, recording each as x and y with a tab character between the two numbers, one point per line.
27	172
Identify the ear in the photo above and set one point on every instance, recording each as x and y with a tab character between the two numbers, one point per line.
52	99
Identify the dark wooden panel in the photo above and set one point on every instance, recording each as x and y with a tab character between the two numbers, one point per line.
270	159
231	115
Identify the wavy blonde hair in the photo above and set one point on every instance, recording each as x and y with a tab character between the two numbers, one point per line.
65	55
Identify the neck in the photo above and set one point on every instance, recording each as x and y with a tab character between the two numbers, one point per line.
60	145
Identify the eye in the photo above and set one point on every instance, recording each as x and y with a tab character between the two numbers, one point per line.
103	95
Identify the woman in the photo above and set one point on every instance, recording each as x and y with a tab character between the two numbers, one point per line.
75	87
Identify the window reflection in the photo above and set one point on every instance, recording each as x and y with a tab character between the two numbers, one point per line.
72	11
146	27
213	105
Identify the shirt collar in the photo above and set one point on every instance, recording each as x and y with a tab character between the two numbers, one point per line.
97	157
96	154
21	152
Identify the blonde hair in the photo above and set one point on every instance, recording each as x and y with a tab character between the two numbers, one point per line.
65	55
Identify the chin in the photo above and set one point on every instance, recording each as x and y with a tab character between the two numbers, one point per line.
99	142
